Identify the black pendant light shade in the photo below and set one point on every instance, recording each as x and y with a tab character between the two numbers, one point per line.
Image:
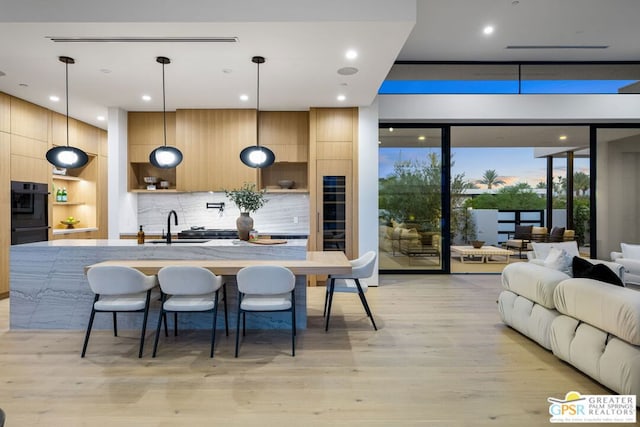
256	156
65	156
165	157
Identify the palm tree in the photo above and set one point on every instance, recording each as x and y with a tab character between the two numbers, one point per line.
581	183
490	178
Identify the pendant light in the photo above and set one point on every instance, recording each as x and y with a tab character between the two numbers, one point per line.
66	156
257	156
165	157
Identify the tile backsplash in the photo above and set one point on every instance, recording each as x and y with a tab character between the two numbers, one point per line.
284	213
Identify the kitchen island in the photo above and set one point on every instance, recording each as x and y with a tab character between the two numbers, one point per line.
49	289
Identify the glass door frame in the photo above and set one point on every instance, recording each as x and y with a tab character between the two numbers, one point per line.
445	197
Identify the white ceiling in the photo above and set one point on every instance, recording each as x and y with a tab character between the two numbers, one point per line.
304	42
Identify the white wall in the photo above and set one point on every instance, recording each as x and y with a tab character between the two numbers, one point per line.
123	206
617	194
368	183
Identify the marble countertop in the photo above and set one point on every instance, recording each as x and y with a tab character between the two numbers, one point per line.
176	243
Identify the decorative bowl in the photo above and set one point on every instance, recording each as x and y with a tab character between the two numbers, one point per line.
477	244
286	183
68	223
150	179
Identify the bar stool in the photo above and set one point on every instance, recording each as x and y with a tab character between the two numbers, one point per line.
119	289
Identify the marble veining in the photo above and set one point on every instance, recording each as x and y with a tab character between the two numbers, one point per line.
49	289
279	214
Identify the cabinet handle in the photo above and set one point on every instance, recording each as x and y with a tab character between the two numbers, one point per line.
317	222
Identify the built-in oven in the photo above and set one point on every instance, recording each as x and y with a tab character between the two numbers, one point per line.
29	212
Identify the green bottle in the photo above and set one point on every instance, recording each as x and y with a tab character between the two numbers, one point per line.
64	195
59	195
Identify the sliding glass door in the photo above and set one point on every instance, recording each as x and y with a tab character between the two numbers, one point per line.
411	171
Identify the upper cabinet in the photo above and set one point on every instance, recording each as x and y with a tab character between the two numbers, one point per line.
5	113
287	134
81	135
145	134
29	120
211	141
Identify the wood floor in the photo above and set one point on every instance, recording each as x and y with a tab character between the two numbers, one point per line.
441	357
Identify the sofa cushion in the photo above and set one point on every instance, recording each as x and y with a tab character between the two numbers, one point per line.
541	250
630	251
585	269
534	282
613	309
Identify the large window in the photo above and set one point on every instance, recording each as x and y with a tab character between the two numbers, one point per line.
501	78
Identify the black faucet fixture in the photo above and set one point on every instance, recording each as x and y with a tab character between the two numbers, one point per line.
175	216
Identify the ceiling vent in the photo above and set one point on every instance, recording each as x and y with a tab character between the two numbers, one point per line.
143	39
559	46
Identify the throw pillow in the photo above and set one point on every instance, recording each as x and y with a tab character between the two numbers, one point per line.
523	232
630	251
542	249
558	259
557	234
584	269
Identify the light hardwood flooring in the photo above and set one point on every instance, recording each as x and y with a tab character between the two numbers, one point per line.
441	357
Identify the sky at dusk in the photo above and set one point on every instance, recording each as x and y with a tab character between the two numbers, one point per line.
513	165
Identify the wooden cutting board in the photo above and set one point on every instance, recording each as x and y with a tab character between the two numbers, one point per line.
268	241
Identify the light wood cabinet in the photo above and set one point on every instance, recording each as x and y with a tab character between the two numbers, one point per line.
81	135
286	133
82	203
5	212
29	120
211	141
28	162
333	142
5	113
145	134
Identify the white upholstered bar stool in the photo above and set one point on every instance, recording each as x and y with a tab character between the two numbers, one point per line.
361	268
189	289
119	289
266	288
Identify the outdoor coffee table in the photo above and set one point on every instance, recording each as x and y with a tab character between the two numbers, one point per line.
481	255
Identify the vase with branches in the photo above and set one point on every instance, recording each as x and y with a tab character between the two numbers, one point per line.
248	199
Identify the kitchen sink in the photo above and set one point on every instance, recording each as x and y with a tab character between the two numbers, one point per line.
177	241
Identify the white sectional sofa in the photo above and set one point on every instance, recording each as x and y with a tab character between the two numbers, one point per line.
629	258
592	325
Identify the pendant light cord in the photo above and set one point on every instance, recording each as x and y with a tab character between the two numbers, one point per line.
164	108
258	109
66	74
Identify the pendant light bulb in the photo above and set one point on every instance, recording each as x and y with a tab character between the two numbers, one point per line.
65	156
165	156
256	156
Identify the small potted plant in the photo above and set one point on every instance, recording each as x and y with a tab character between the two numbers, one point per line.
248	200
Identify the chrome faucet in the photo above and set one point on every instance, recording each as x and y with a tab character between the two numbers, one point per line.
175	215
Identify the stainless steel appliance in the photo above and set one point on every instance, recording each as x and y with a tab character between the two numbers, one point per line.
202	233
29	212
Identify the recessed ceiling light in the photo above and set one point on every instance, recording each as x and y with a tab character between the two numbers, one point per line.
347	71
100	118
341	98
146	98
390	129
54	98
488	29
23	85
351	54
421	138
562	137
244	97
